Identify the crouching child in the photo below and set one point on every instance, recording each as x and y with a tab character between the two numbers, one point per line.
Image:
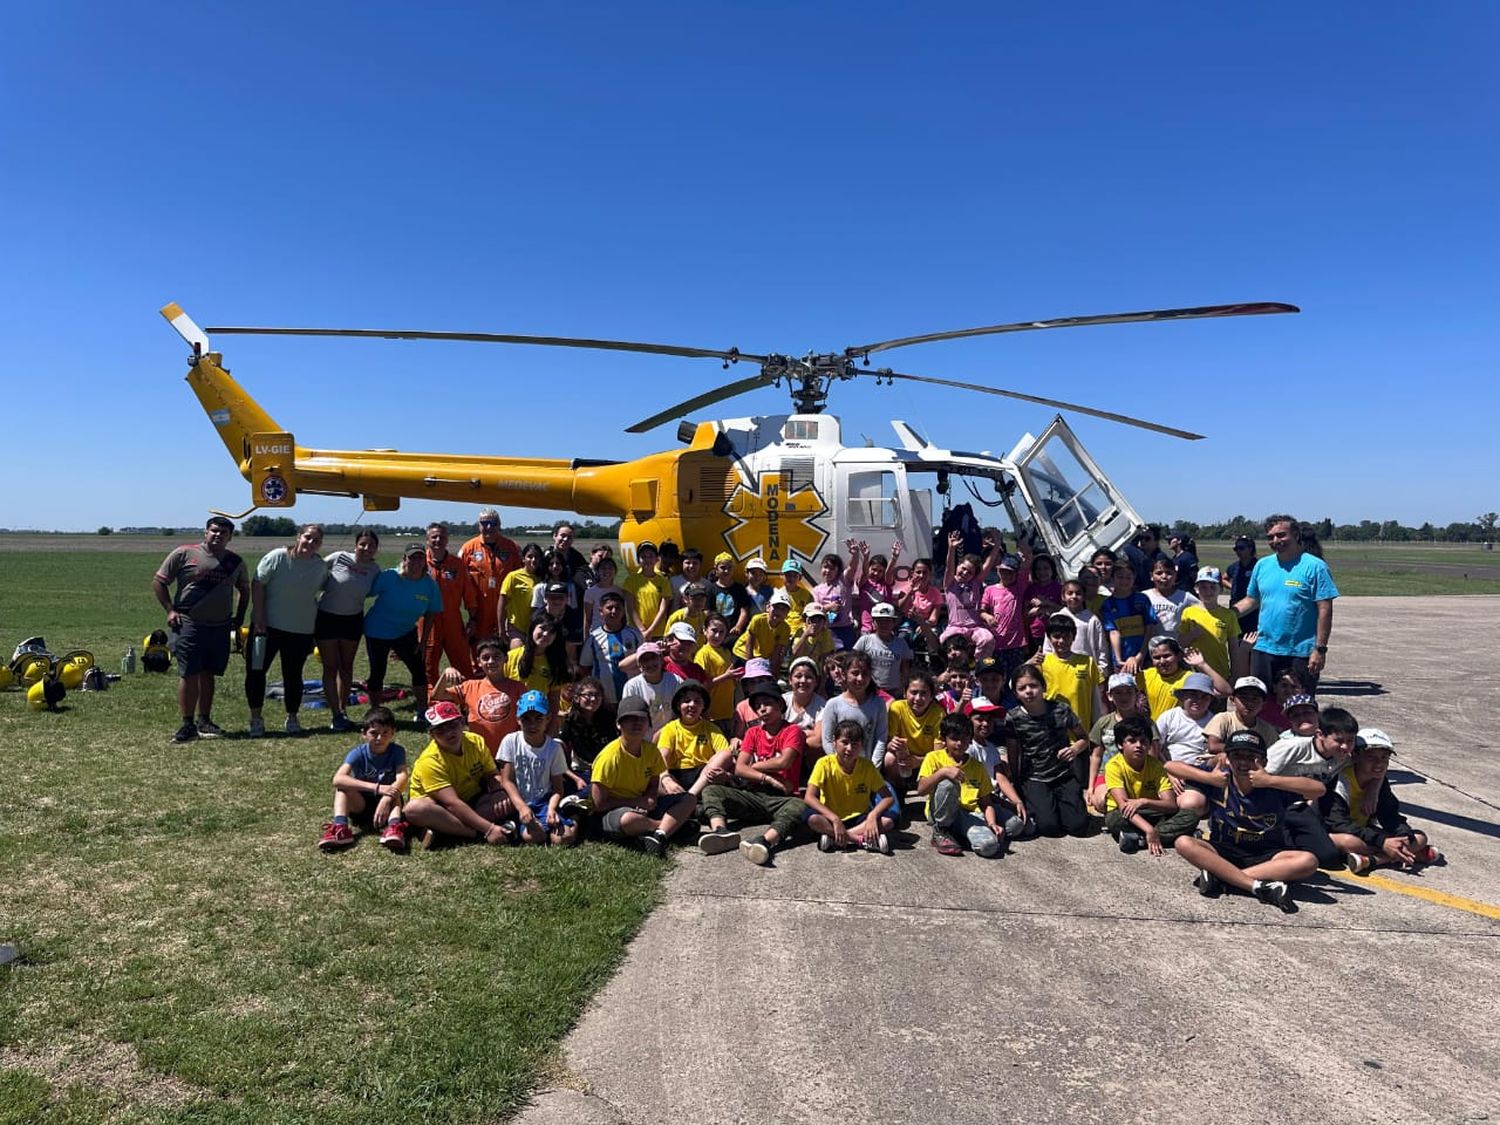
533	774
960	794
1140	808
368	786
1247	844
1364	818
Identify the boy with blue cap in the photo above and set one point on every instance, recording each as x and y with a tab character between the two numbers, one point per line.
533	769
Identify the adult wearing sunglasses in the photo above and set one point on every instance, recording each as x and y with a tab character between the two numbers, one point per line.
489	556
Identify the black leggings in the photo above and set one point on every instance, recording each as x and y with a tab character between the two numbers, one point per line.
294	649
408	650
1056	807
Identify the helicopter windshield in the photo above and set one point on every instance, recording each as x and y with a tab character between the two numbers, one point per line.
1070	496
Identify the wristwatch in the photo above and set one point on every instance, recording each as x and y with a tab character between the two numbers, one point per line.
1322	650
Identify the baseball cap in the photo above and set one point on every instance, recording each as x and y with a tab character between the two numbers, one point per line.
790	567
633	706
883	609
815	610
650	648
983	704
989	664
1121	679
780	597
556	588
695	590
801	661
1209	574
683	631
1195	681
757	563
1373	738
533	702
1009	562
1243	541
1301	699
414	549
442	712
1245	740
757	668
1253	682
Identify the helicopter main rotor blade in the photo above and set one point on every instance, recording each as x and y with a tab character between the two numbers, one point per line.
732	355
1125	419
707	398
1258	308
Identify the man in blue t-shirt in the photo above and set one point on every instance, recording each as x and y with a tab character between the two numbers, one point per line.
1294	593
403	596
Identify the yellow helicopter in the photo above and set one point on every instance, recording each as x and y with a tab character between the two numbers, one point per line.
781	486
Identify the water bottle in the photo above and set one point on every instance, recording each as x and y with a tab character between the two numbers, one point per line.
127	663
258	653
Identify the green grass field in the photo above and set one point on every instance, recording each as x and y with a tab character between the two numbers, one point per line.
1396	570
187	954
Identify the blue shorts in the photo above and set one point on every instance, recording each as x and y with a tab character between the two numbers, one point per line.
542	809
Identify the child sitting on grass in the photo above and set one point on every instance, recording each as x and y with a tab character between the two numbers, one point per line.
368	786
1247	844
848	802
1365	817
1141	808
455	791
533	774
626	785
958	791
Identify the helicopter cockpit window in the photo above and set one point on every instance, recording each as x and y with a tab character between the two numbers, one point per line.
871	500
1068	492
801	429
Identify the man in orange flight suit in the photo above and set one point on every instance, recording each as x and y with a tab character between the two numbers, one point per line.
489	556
447	634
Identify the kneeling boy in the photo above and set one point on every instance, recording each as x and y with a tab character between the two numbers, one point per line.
1247	844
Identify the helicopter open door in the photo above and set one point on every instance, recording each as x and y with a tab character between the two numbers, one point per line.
1076	507
879	506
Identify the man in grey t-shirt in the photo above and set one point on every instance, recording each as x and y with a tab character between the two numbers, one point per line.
199	618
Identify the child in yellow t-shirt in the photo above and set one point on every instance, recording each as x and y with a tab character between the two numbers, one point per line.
715	659
814	639
625	784
516	589
847	799
1140	806
1071	676
959	793
912	727
768	636
454	790
798	592
1211	628
695	750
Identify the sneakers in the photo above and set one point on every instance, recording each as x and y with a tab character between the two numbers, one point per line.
654	843
394	836
1131	842
1208	884
292	725
1429	854
336	837
207	728
340	722
574	806
257	727
943	842
757	851
1275	892
825	843
883	845
717	841
1358	864
185	733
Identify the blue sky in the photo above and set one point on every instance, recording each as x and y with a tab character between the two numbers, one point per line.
777	177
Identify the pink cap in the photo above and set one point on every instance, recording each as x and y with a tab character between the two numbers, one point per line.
443	712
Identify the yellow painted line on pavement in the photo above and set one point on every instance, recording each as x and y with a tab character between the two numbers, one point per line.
1441	898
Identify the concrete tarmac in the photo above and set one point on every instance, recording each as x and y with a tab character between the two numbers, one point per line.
1068	982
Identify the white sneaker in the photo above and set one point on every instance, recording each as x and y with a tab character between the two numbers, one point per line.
292	725
257	727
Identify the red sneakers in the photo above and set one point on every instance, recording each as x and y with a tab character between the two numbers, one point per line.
336	837
394	836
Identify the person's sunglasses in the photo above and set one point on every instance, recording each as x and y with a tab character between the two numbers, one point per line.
489	523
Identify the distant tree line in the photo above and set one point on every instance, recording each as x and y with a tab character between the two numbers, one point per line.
1480	530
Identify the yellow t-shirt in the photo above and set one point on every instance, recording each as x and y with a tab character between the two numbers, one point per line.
463	772
768	639
920	731
622	774
696	620
1159	689
975	787
1150	781
684	748
1219	626
845	794
716	661
648	594
515	597
801	599
1074	679
541	672
821	647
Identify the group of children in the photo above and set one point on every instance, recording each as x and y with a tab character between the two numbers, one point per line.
832	731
